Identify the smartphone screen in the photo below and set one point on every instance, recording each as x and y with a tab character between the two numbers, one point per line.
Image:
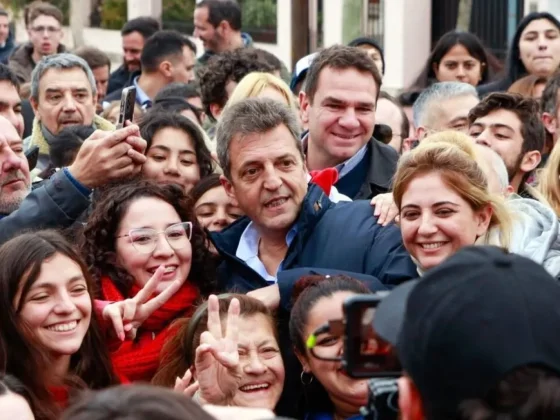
366	355
128	99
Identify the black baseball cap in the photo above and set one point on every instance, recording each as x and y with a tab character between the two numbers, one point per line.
469	321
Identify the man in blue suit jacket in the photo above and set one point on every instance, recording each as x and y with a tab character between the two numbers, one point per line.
288	224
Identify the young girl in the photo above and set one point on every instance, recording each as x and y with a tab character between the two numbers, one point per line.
49	337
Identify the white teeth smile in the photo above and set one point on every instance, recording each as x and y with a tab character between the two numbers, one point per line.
170	269
276	203
433	245
247	388
69	326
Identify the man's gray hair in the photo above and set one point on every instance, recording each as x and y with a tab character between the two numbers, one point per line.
436	93
63	61
252	116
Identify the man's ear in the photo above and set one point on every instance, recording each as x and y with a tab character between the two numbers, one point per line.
216	110
166	68
304	107
421	132
228	186
549	122
35	105
410	404
530	161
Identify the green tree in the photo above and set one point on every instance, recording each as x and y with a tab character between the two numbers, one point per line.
114	14
178	10
259	14
64	5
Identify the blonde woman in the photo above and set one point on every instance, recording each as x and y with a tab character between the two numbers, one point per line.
443	200
549	180
263	85
443	195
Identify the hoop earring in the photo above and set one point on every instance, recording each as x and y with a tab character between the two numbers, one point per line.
306	383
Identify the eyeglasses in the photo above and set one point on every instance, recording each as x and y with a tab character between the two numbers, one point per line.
326	342
49	29
144	240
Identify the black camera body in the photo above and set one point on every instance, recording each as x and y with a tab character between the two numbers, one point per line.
366	355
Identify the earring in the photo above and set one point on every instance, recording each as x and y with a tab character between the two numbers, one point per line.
302	376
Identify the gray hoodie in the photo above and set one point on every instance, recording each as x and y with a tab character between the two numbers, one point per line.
535	233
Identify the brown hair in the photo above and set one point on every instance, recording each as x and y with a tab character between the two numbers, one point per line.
94	57
179	351
451	154
98	244
139	402
21	260
223	68
339	57
45	9
526	109
307	291
526	85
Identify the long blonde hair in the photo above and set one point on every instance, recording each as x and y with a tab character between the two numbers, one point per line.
453	156
255	83
549	180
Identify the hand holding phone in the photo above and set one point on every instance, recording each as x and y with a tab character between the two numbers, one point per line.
128	99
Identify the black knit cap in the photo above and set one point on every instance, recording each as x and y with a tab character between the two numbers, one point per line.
371	42
470	321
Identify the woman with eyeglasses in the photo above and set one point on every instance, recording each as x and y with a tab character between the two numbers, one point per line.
136	231
328	392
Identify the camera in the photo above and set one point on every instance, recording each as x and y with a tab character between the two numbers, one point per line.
365	355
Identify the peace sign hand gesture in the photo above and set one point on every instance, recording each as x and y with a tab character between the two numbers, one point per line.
128	315
217	358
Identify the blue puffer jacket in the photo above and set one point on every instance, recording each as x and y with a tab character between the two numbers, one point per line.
342	236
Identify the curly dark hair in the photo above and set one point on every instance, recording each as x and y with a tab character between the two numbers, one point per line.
526	109
98	239
225	67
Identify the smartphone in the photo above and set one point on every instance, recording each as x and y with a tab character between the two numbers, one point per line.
128	99
366	355
32	156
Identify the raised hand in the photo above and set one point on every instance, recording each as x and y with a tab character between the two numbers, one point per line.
217	359
183	385
108	156
385	208
128	315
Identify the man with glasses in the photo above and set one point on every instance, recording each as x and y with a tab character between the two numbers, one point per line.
45	34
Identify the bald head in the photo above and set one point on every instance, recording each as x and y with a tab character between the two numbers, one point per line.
494	168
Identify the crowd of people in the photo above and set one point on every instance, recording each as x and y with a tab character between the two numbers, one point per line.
189	264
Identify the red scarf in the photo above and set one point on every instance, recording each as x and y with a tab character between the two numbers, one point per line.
138	360
60	395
